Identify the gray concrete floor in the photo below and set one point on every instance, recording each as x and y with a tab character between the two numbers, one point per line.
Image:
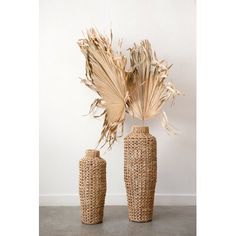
167	221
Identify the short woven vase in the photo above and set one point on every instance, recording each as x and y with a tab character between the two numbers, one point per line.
92	187
140	173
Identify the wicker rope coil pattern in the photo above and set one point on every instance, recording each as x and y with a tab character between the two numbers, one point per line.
140	173
92	187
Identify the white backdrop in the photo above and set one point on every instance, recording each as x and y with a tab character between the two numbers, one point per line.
65	133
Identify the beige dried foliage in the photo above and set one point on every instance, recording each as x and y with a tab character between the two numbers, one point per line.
105	74
142	91
148	87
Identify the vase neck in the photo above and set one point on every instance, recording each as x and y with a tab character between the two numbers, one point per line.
140	129
91	153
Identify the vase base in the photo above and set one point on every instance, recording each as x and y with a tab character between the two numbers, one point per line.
140	221
85	223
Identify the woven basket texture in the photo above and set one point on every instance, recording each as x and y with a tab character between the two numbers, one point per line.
92	187
140	173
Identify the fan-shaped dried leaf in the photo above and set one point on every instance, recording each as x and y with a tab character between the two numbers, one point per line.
105	74
147	85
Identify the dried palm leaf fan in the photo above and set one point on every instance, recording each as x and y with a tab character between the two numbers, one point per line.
105	74
147	85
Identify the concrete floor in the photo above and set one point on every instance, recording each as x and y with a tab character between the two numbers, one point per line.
167	221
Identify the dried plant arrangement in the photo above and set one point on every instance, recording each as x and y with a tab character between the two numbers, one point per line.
140	90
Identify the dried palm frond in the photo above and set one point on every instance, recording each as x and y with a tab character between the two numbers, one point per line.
105	74
147	85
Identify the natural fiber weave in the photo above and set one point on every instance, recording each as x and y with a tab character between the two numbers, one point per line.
140	172
92	187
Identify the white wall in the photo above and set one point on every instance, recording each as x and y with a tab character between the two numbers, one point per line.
65	133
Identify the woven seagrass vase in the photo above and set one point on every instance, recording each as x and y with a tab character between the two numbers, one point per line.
92	187
140	173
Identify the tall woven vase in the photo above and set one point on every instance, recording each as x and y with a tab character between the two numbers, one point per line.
140	172
92	187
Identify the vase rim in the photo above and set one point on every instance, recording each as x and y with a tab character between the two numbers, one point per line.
92	153
140	129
